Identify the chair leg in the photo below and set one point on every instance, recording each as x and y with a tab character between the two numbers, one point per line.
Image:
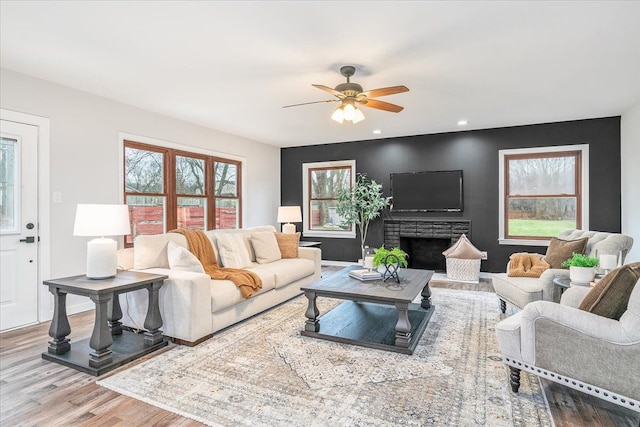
503	306
514	378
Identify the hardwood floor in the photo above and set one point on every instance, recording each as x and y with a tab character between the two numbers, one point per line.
34	392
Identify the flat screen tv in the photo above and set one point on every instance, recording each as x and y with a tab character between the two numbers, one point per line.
428	191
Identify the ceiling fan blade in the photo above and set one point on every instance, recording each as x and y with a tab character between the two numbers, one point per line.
330	90
391	90
312	102
381	105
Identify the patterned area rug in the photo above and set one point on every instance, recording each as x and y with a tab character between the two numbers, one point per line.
263	373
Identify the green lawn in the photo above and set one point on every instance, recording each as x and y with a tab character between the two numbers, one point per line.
532	227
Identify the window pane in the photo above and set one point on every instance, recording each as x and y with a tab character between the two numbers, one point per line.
325	183
546	175
189	175
227	213
147	215
143	171
8	194
324	216
192	212
226	183
541	217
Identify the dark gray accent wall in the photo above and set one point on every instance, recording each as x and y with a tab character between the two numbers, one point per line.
476	153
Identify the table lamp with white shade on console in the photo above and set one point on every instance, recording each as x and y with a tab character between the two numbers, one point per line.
289	214
102	221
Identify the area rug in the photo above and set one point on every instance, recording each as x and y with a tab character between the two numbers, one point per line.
263	373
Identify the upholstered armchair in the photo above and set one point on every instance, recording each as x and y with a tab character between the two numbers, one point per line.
519	291
580	347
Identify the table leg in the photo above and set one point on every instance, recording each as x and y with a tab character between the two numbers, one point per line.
115	314
312	324
101	337
153	321
59	328
403	327
426	297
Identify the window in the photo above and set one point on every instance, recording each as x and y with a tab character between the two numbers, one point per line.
542	192
167	188
321	183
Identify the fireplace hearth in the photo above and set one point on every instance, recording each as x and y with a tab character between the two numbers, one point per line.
424	239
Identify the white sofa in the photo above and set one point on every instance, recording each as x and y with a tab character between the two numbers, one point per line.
192	305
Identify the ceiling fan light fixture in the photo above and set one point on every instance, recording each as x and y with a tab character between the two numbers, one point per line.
358	116
338	115
349	111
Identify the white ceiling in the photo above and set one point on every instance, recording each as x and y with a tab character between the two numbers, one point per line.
231	66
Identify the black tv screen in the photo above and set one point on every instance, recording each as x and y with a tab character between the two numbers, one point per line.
428	191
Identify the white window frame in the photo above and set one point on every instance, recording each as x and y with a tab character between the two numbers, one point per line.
305	199
583	148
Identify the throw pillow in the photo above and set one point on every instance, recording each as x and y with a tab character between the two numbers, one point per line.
265	246
463	249
233	251
181	259
610	296
288	244
561	250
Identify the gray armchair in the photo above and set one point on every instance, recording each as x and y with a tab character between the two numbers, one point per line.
519	291
581	350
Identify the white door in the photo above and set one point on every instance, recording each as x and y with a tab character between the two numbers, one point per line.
18	224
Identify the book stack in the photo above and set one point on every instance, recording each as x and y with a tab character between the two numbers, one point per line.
365	274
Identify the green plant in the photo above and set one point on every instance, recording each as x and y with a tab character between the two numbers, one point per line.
580	260
360	204
381	253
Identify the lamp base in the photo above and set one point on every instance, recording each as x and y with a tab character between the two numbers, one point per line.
289	228
102	258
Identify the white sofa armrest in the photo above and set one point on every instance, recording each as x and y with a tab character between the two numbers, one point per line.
573	296
185	304
580	321
546	282
314	254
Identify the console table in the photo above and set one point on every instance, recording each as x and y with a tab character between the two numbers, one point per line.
109	346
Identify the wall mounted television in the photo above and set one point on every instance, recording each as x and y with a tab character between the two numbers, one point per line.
427	191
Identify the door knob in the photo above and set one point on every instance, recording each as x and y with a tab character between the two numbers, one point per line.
29	239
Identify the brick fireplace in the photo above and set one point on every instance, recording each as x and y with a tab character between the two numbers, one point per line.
424	239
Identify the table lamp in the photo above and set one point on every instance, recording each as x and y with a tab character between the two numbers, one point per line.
102	220
289	214
608	262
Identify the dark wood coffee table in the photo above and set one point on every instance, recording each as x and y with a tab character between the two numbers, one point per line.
366	318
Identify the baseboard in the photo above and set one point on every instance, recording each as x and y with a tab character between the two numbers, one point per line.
338	263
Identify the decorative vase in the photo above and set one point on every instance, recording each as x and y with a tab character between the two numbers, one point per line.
582	274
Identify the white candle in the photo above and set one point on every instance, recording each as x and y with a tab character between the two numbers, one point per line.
608	261
368	262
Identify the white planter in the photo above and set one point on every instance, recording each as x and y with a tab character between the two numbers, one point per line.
582	274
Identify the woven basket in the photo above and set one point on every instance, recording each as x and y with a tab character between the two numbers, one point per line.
463	269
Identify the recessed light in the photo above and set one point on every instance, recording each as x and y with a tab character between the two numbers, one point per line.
377	131
462	122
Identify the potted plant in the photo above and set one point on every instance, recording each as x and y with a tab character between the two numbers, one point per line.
582	268
381	255
360	204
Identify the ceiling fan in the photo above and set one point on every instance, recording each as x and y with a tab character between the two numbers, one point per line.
350	95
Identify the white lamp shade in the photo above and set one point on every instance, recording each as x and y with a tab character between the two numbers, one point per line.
102	220
289	214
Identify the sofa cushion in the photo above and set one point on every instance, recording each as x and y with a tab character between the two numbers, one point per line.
265	246
233	250
288	244
610	296
289	270
561	250
224	293
181	259
150	251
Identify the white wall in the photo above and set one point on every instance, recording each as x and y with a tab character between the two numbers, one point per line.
630	152
84	158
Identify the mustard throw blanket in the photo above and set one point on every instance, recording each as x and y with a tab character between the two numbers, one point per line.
199	244
526	265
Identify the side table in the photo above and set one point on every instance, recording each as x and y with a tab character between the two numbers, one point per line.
109	346
565	283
